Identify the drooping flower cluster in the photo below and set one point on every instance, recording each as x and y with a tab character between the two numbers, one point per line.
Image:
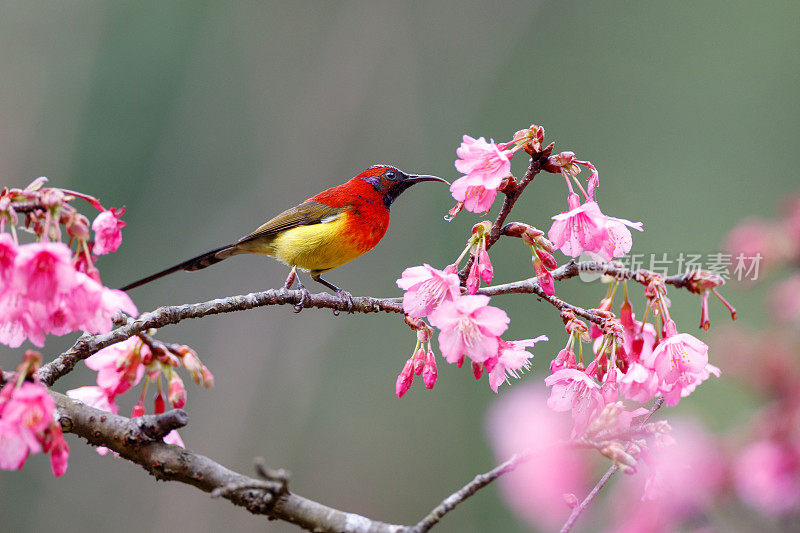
468	328
42	293
27	423
123	365
422	362
45	287
631	358
583	227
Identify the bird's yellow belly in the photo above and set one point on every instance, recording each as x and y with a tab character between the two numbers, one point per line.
315	248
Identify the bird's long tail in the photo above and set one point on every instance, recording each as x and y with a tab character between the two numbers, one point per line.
195	263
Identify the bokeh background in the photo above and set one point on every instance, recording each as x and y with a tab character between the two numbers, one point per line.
206	118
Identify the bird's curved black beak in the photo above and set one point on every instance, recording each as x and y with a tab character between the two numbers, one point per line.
413	178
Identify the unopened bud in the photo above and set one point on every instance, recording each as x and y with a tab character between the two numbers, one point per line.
477	370
78	227
419	361
159	405
430	372
138	409
405	378
206	377
571	500
546	257
177	392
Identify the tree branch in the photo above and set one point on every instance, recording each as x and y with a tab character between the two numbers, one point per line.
87	345
132	441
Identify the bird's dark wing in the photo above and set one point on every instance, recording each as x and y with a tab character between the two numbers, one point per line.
305	214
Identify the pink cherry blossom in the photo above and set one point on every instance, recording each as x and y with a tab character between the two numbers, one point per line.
485	166
477	158
511	358
475	198
43	294
107	228
119	366
13	447
8	254
584	228
681	362
42	270
618	241
767	477
96	397
639	383
576	391
535	491
31	408
469	327
426	287
27	426
174	438
685	479
581	229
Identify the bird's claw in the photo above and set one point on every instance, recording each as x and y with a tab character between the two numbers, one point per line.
347	298
305	298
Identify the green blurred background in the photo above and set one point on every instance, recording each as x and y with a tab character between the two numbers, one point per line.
206	118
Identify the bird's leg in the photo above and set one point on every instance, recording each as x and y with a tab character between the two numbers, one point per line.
343	294
305	296
290	278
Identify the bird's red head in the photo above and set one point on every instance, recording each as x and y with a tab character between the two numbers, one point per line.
390	181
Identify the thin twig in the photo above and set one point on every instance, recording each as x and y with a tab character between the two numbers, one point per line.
576	512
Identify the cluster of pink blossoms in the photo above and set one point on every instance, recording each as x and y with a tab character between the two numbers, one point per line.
468	327
584	228
27	422
123	365
45	287
631	358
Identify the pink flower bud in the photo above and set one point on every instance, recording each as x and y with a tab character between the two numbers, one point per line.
59	452
430	372
138	409
159	405
473	280
571	500
485	267
107	228
405	379
206	377
177	392
477	369
564	359
419	361
547	258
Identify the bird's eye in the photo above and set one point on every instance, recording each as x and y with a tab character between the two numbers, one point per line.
390	175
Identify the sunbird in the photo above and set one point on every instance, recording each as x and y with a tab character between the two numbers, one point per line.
324	232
